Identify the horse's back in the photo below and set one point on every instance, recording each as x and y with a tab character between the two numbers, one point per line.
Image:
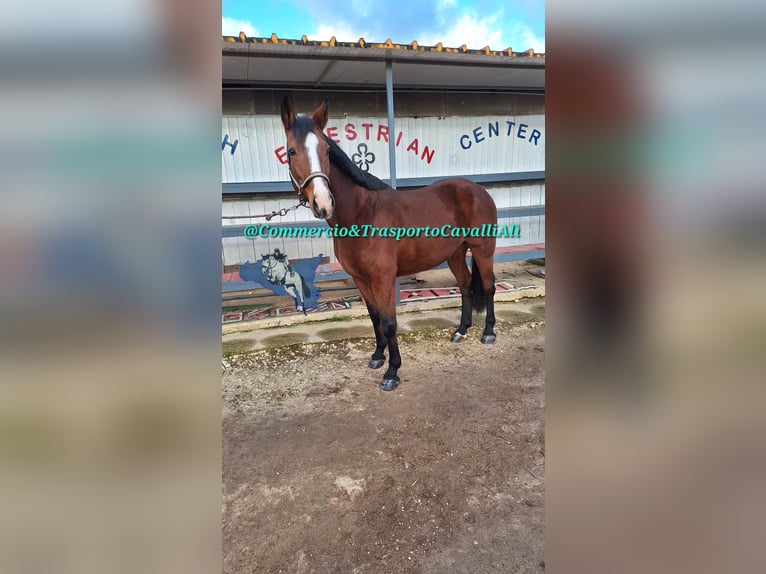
462	186
462	196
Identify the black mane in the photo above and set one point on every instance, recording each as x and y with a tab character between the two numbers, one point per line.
340	160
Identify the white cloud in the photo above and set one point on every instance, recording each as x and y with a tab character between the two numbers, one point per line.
521	37
232	27
342	33
474	32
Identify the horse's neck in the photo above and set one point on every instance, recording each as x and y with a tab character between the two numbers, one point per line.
350	199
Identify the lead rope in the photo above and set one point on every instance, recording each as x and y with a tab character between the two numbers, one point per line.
281	212
285	210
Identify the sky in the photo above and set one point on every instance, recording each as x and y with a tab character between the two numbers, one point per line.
500	24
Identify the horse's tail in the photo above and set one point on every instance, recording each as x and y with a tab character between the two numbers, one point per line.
478	298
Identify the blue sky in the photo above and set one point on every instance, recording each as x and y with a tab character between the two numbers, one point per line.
501	24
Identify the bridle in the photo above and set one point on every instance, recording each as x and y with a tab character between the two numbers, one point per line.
301	186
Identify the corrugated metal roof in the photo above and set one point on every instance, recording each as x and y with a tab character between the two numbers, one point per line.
388	45
274	63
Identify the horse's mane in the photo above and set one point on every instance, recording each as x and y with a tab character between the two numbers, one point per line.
340	160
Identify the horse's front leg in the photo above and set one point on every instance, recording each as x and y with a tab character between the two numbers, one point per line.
378	357
380	295
294	287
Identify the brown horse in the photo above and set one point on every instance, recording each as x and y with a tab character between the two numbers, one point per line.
336	190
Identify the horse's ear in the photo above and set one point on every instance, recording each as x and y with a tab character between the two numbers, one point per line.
320	115
288	114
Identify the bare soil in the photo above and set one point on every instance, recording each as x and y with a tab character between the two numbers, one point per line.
323	472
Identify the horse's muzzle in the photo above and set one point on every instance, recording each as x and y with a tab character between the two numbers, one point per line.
322	212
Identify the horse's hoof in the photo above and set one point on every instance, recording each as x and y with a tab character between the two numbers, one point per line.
487	339
389	384
376	363
458	337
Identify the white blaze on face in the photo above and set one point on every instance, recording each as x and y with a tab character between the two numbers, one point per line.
322	194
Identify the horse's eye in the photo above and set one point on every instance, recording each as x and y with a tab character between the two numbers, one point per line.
291	152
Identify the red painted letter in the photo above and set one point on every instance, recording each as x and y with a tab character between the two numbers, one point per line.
367	130
281	154
332	133
413	146
383	133
425	153
350	132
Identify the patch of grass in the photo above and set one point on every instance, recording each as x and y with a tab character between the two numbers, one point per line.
516	317
433	323
346	332
423	334
237	346
337	319
285	339
538	310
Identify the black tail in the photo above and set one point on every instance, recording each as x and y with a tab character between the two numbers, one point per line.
478	298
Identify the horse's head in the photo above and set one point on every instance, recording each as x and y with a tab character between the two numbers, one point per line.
308	158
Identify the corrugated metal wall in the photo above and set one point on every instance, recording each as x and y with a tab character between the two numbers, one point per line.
426	147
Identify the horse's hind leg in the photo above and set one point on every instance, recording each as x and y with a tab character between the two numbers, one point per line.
290	288
388	329
484	263
459	269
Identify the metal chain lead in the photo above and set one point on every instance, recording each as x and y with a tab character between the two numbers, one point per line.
282	212
302	202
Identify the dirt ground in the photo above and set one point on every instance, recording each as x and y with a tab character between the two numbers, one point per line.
323	472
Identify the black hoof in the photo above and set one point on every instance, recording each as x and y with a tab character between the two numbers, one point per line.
389	384
376	363
458	338
487	339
